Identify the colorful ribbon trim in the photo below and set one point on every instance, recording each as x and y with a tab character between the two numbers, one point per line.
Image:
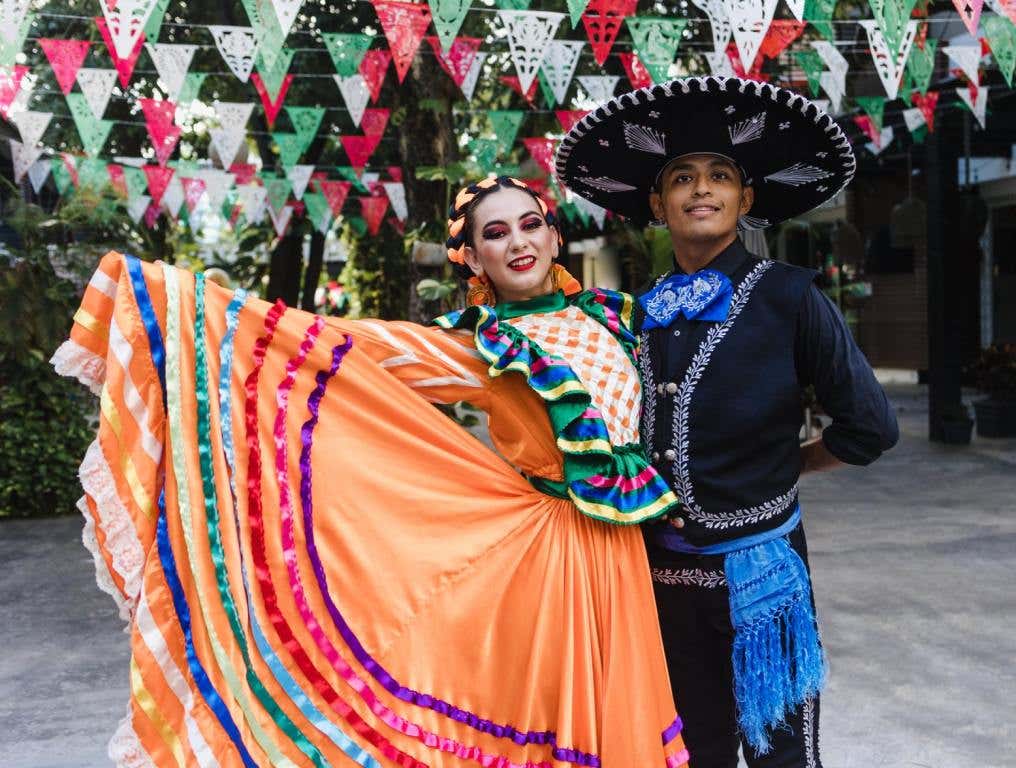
148	319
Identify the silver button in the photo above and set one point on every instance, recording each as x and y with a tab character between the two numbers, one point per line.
670	454
671	387
656	456
677	333
677	522
659	389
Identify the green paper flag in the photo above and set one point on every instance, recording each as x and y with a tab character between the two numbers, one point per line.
506	124
921	64
278	190
349	174
512	5
273	74
892	17
267	30
192	83
318	211
306	122
811	62
92	172
61	176
485	151
1001	35
874	107
575	10
155	20
93	132
9	50
347	50
448	16
919	135
185	168
290	148
549	99
656	41
819	14
137	182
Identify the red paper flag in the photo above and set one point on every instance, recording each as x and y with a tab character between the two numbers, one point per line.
158	180
513	82
374	122
335	193
359	149
66	58
374	67
395	172
71	164
404	25
192	191
568	117
152	215
457	60
542	188
117	179
374	209
398	226
542	151
926	103
10	84
245	172
163	131
124	67
603	20
738	66
782	33
638	75
271	107
867	126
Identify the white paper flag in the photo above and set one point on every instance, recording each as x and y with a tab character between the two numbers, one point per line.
233	117
473	75
171	62
137	206
133	162
369	177
797	8
978	106
173	197
238	46
914	118
719	23
39	172
253	202
299	177
831	57
720	64
967	58
31	125
126	21
749	22
559	64
600	88
12	14
529	33
822	104
97	85
23	156
835	88
396	192
890	68
281	219
285	12
355	93
884	140
590	209
217	185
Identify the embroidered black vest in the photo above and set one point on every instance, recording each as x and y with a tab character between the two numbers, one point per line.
724	428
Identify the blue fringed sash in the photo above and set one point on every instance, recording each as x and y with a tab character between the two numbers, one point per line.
777	658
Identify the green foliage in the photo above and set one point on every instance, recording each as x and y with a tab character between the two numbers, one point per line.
376	274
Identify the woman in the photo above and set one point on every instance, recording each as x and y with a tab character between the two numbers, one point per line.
320	568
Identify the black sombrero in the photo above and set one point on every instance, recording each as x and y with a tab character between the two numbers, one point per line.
792	153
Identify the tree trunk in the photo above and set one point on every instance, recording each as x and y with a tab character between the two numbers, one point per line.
312	274
284	270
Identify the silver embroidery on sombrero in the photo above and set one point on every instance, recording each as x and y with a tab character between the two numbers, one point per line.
747	130
605	184
644	138
798	175
752	222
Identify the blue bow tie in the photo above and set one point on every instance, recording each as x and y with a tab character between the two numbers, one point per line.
705	295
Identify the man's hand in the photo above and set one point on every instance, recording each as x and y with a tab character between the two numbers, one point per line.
815	457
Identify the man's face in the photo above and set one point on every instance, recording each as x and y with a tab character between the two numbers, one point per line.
700	197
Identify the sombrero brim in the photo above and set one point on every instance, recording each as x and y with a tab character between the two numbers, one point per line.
793	153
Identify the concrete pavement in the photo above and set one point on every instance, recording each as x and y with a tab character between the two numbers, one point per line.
914	562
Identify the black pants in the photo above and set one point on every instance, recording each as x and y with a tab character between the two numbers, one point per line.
694	609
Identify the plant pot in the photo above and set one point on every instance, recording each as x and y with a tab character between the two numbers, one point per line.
996	417
956	430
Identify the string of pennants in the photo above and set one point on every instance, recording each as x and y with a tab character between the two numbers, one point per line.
740	38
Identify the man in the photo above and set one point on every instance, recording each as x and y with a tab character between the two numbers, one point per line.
729	342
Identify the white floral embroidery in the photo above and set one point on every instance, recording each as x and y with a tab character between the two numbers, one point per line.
644	138
808	731
648	383
798	175
692	577
691	298
747	130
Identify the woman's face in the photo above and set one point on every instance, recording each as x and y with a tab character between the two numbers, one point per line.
513	245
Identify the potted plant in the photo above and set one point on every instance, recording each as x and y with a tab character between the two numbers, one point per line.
995	375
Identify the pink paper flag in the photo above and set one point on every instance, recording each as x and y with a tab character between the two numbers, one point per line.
374	67
192	191
542	151
404	25
10	84
124	67
117	179
244	172
66	58
970	12
638	75
335	193
271	107
374	209
568	117
374	122
395	172
71	164
163	131
152	215
457	60
359	149
158	180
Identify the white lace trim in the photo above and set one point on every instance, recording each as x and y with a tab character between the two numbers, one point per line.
692	577
122	543
71	359
102	575
125	748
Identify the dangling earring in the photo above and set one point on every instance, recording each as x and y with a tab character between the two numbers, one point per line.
480	292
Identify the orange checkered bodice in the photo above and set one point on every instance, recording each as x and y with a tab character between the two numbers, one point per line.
599	361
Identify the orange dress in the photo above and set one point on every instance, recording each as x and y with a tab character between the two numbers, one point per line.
319	568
